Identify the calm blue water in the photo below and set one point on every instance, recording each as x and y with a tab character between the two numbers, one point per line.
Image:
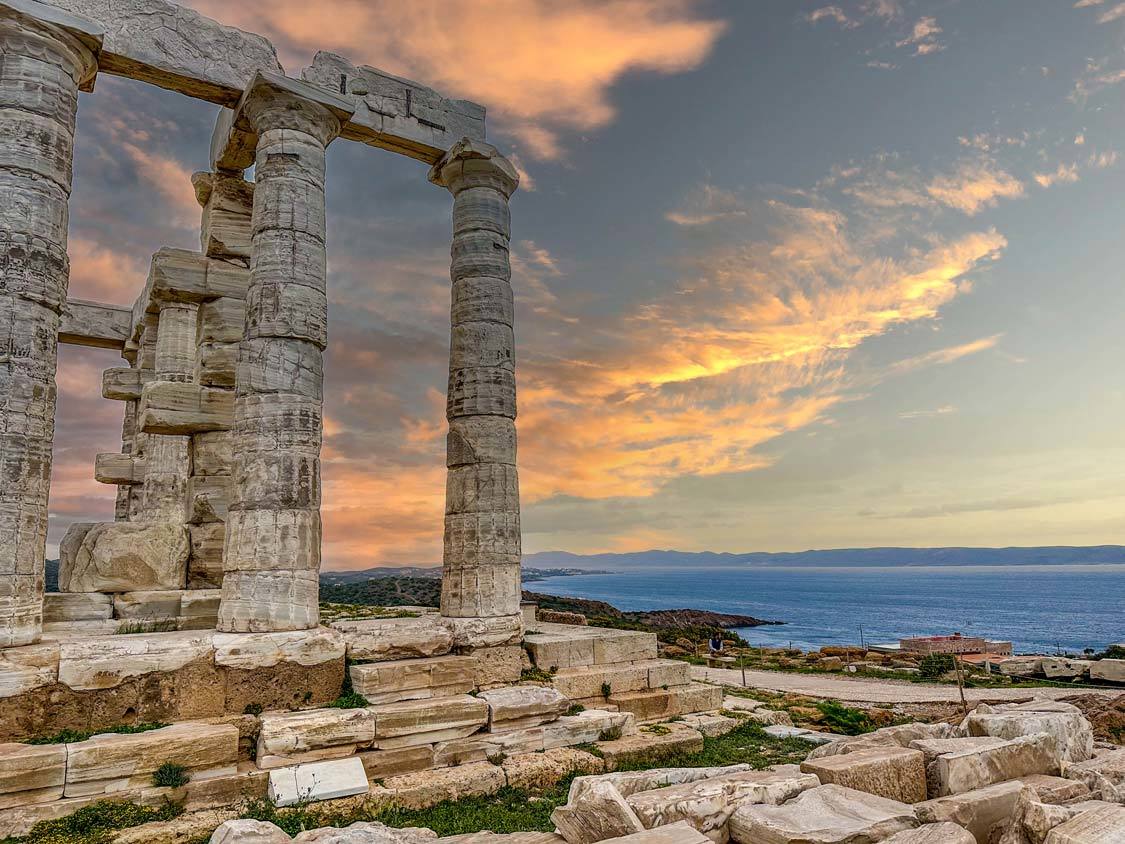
1036	607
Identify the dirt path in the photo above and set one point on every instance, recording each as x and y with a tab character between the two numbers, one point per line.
860	690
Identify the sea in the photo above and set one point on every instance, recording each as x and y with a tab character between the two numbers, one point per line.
1039	608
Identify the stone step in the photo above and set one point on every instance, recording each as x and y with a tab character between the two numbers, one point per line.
559	646
648	743
655	704
391	639
586	682
415	679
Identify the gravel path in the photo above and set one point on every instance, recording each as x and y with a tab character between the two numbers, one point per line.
860	690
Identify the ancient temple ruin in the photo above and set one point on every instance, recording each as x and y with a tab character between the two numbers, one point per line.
198	605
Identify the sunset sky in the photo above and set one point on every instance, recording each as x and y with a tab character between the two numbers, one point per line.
788	275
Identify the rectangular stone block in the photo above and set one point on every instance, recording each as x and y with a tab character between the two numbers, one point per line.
125	383
147	605
317	781
967	770
388	639
1103	825
211	453
1108	670
208	498
288	733
380	764
549	650
28	667
121	469
452	714
205	565
182	409
31	773
578	683
516	707
895	773
414	679
677	833
830	814
651	704
76	606
647	744
984	812
112	762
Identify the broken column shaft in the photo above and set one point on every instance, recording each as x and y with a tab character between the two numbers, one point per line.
481	569
271	558
42	66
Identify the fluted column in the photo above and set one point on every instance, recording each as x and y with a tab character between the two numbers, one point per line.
271	557
481	564
42	66
168	464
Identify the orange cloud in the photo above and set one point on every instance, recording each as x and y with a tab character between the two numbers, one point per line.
539	66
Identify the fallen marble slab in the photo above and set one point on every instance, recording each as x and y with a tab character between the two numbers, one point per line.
896	773
828	814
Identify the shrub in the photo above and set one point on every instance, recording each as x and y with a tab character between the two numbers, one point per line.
844	719
607	690
170	775
575	708
535	675
610	734
934	665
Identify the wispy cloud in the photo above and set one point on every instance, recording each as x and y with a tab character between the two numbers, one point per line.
1063	174
948	355
708	204
923	37
944	410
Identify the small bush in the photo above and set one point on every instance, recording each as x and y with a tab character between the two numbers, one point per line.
607	690
932	666
170	775
535	675
349	700
70	736
575	708
1114	652
844	719
610	734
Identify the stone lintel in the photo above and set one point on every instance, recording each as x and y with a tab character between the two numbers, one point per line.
95	324
119	469
234	141
173	47
396	114
89	32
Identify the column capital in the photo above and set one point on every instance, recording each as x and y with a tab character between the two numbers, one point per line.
53	35
474	164
273	101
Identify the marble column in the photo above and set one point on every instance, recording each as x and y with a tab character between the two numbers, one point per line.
42	66
168	460
271	557
481	564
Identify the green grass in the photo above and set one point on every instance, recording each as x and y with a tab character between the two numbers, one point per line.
96	824
70	736
516	810
844	719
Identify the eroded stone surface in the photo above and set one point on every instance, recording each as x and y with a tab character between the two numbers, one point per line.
516	707
386	639
892	772
124	556
829	814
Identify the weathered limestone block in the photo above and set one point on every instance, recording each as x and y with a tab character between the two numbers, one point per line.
227	205
199	609
122	556
317	781
1020	666
936	833
425	721
76	606
366	833
31	774
668	703
498	666
1105	773
386	639
895	773
679	738
1071	730
984	812
428	788
1056	790
1109	670
492	632
147	605
205	566
898	736
23	669
541	771
965	770
1031	820
579	683
587	727
180	409
211	451
251	651
629	783
597	813
208	498
380	764
829	814
244	831
94	324
678	833
286	734
122	469
124	383
1104	825
1063	668
708	804
516	707
711	726
415	679
104	662
265	601
217	365
112	762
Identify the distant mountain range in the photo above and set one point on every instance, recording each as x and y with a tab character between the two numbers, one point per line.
855	557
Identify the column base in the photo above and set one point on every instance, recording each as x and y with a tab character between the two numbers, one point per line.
269	601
